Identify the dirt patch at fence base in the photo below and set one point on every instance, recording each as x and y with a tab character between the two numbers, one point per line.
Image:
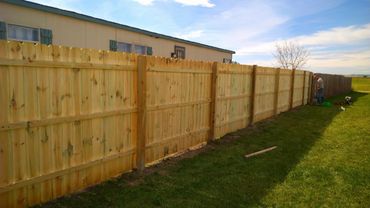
135	178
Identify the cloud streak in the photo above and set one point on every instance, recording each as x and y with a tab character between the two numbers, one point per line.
201	3
145	2
191	35
338	36
335	49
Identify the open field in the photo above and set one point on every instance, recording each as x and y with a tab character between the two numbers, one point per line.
322	161
361	84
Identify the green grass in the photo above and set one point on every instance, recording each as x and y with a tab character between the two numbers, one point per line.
322	160
361	84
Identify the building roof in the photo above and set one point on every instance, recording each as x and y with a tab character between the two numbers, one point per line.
66	13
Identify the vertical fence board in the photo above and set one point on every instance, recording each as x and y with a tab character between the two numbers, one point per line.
253	95
141	138
291	97
277	90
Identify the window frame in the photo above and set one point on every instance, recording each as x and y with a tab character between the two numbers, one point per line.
31	41
131	46
179	48
227	61
137	44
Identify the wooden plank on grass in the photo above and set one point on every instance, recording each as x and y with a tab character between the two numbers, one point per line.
260	152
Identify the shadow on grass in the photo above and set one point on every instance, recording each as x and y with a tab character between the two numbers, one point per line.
219	176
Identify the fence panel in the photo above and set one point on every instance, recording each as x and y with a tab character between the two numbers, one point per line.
178	106
265	93
70	120
298	88
284	90
233	98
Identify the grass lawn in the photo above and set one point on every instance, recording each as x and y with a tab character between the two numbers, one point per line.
361	84
322	160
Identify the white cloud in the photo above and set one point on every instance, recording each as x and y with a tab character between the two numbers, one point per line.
334	50
191	35
236	25
342	59
202	3
145	2
338	35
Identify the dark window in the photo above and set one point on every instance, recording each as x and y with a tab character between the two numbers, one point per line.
124	47
180	52
46	36
227	61
139	49
112	45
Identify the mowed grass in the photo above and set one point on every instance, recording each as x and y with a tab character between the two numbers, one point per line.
361	84
322	160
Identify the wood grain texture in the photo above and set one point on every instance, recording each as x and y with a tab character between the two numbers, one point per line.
74	117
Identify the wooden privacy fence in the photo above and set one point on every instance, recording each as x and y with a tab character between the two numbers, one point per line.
335	84
71	117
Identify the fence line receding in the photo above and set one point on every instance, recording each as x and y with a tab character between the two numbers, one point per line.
71	118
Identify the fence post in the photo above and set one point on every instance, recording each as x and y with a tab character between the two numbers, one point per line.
304	86
292	90
276	98
141	112
309	97
253	95
212	117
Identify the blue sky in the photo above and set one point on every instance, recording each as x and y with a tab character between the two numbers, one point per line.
336	32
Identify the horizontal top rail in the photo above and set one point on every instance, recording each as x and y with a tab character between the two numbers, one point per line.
58	64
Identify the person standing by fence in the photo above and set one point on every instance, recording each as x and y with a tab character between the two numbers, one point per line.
319	89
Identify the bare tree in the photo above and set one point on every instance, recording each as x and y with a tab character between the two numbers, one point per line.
291	55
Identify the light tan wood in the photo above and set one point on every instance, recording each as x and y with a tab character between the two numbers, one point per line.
277	90
57	120
253	95
62	172
65	109
176	105
260	152
291	96
141	106
304	87
58	64
212	117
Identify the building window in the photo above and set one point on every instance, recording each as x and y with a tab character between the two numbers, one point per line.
130	48
21	33
180	52
124	47
227	61
139	49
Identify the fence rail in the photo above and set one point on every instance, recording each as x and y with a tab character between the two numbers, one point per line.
71	118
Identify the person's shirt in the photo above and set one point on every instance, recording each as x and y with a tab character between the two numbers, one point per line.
320	83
